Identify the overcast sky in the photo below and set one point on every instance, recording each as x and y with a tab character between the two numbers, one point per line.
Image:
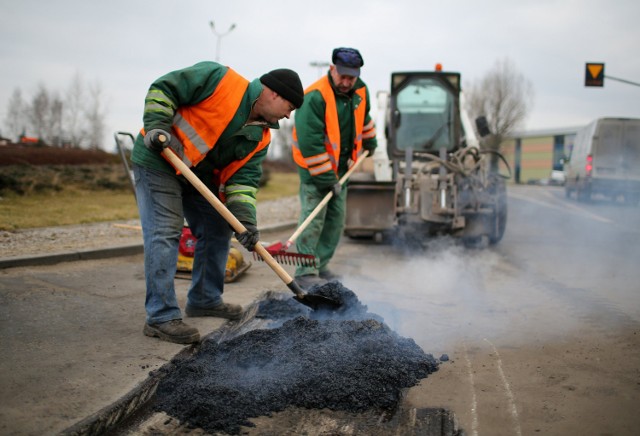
125	45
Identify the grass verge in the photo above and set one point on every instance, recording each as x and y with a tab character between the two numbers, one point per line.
68	207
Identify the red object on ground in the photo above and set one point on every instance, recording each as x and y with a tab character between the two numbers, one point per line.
187	243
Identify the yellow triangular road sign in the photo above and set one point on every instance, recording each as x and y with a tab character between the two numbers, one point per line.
595	69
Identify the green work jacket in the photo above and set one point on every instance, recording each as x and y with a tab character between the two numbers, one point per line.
310	128
192	86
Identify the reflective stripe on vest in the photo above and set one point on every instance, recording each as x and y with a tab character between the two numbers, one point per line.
199	127
324	162
221	176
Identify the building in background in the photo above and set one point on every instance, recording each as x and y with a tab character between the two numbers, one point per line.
536	156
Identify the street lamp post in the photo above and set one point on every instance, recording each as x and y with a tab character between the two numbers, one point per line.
319	65
219	37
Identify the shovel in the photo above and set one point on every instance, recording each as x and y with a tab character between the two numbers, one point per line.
278	249
313	301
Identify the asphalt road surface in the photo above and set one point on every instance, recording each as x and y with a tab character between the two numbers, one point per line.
542	330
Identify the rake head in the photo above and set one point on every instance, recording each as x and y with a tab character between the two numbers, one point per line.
280	254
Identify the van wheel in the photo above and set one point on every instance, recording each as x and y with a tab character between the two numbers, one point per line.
567	192
583	194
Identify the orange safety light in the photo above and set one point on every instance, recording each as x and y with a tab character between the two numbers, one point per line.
438	67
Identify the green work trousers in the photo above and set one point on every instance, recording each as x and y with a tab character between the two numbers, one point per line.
323	233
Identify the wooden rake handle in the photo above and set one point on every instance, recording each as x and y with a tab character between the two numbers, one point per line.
324	201
226	213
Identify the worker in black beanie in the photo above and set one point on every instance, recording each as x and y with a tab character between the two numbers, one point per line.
286	83
219	124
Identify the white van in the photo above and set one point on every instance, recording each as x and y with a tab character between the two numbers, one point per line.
605	160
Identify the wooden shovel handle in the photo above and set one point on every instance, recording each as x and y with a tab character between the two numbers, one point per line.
226	213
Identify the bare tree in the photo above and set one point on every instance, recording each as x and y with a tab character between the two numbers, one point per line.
16	121
74	103
38	112
56	111
79	119
94	116
504	96
45	115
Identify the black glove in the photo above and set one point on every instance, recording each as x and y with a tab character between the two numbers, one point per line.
336	189
250	237
157	139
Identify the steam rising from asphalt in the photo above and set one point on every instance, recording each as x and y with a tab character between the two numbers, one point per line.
546	278
434	296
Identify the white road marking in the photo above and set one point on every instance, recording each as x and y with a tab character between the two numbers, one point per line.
474	402
507	388
562	208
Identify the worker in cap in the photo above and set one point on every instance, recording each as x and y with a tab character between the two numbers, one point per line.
333	128
219	124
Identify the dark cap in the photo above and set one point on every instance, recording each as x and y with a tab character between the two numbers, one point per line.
347	60
286	83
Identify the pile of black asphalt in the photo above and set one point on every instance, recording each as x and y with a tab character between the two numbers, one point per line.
343	360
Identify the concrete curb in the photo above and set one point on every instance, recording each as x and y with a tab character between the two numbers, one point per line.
100	253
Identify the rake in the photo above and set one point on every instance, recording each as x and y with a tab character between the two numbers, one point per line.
279	250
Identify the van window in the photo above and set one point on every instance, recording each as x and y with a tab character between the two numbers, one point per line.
619	143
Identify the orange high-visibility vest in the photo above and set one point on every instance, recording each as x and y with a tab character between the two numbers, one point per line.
198	127
324	162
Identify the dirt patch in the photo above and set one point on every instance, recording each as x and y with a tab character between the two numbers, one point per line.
46	155
347	360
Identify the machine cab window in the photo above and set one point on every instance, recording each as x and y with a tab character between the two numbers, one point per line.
423	115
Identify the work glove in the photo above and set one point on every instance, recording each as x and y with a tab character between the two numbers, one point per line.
336	189
157	139
249	238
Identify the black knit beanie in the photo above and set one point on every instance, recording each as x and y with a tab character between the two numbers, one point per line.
286	83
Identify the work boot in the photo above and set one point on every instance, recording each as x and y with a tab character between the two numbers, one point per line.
222	310
308	281
173	331
329	276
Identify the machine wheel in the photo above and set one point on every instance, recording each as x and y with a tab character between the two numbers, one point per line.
477	243
499	224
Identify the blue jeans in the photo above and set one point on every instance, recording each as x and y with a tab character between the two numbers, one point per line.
164	201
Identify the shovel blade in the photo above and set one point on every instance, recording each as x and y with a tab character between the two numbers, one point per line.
317	302
314	301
